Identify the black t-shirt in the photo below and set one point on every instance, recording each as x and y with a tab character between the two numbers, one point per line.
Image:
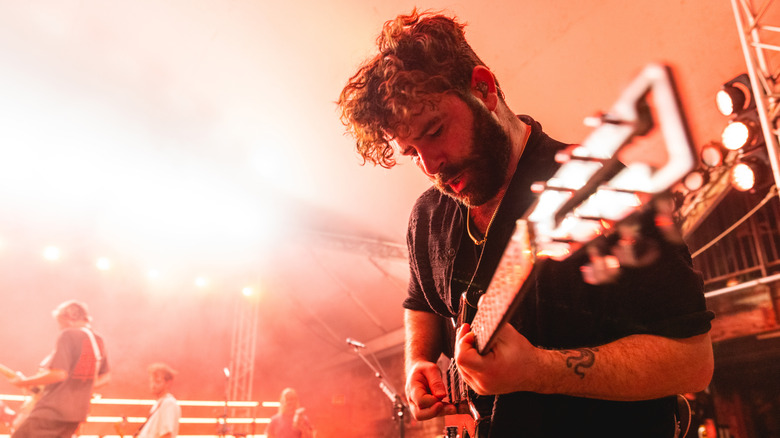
561	311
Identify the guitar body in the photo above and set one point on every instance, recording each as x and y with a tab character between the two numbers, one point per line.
32	396
625	167
24	410
122	428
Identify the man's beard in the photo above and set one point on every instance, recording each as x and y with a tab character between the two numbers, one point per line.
487	165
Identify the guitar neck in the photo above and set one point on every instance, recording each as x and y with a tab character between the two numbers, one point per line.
503	294
639	150
8	373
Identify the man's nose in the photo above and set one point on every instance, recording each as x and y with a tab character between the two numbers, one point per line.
431	162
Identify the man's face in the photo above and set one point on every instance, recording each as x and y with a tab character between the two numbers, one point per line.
157	384
62	322
289	401
461	148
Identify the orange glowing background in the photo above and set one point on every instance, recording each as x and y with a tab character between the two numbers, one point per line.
194	147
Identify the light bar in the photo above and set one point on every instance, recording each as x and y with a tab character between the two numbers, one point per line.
137	402
183	420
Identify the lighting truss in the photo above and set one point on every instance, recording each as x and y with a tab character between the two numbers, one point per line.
763	66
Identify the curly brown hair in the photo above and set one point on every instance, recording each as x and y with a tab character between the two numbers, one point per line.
421	56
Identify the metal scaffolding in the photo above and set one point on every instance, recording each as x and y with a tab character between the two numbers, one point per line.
762	57
242	353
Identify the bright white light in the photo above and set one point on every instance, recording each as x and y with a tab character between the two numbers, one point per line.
742	177
724	103
609	204
735	135
574	174
247	291
549	202
51	253
636	177
149	197
103	263
201	282
153	274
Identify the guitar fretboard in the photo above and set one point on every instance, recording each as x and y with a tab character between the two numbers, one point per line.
513	270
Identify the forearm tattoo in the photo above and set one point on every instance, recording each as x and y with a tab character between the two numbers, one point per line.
580	359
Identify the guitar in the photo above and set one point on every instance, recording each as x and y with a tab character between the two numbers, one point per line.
121	428
616	173
33	396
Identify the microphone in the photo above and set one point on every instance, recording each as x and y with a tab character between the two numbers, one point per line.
355	343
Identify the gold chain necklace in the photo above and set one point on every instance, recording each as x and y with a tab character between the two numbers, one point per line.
468	226
468	209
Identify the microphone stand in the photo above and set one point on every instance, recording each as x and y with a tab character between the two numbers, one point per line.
399	406
223	427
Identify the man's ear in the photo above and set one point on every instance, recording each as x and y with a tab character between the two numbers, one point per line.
483	86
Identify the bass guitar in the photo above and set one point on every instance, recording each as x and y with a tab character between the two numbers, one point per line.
635	154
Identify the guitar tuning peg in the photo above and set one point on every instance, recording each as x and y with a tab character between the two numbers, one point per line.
567	154
600	118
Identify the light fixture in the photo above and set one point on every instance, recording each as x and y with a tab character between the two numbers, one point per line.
51	253
735	96
103	263
748	174
712	154
696	179
744	132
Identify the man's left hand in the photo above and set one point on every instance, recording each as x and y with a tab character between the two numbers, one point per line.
513	364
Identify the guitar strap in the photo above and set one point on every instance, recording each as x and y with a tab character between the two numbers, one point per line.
141	427
95	350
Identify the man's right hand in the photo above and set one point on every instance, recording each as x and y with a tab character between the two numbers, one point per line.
426	392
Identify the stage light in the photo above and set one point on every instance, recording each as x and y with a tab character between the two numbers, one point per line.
735	96
247	291
740	133
743	131
749	173
742	177
51	253
735	135
103	264
696	179
712	154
